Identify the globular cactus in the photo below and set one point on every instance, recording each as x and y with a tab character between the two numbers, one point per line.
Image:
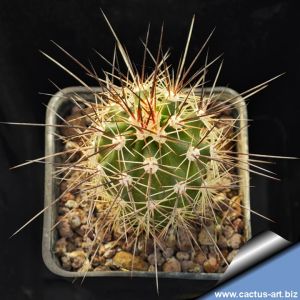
155	154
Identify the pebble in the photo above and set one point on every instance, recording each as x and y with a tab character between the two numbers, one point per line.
67	196
183	242
86	244
78	241
171	239
127	261
61	246
109	249
66	263
238	225
75	221
109	253
186	265
84	230
168	252
228	231
222	242
151	268
128	246
235	241
211	265
190	266
71	204
98	260
78	260
71	247
200	258
62	210
64	229
171	265
182	255
206	236
159	259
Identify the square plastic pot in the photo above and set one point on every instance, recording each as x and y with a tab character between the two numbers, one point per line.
131	284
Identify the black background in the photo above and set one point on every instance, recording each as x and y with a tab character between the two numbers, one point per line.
259	40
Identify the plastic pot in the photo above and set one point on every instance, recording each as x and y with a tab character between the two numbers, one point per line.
120	284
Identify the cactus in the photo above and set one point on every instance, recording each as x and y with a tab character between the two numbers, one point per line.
153	157
155	154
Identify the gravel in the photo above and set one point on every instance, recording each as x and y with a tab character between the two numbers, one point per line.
178	252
